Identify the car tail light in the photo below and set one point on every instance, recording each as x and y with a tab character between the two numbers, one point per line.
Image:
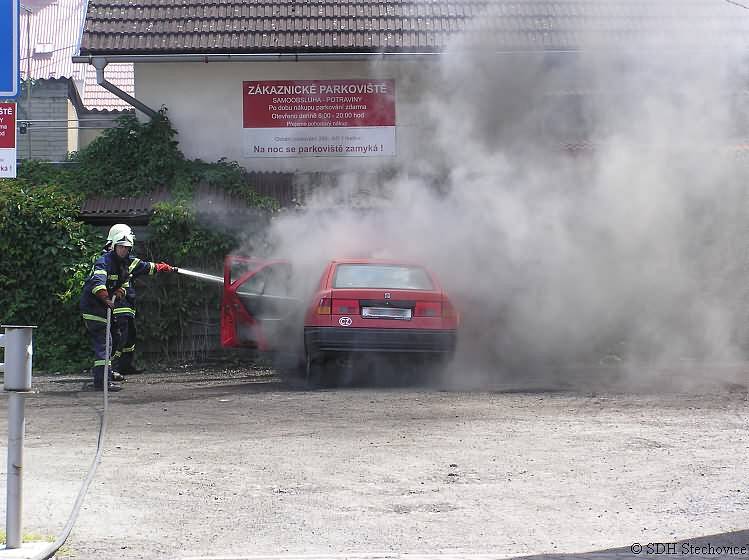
323	307
345	306
448	311
427	309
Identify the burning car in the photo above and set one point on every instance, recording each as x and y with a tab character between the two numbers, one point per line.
358	306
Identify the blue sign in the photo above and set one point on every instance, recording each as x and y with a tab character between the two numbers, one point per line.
10	75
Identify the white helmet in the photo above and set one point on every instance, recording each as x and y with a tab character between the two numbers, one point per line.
120	234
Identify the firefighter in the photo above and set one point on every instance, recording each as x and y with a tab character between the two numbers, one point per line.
124	317
109	281
124	314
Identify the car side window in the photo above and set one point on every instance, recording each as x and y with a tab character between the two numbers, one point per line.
273	280
238	268
278	280
256	283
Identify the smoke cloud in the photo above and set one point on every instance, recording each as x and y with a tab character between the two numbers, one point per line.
585	211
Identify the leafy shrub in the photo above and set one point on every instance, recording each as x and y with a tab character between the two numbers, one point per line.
228	175
131	159
47	252
170	306
46	255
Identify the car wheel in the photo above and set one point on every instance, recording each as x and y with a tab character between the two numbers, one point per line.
317	372
431	370
290	367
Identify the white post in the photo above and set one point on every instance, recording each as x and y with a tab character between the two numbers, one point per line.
14	499
17	381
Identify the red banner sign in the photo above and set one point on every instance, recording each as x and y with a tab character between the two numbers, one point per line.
7	140
7	125
318	103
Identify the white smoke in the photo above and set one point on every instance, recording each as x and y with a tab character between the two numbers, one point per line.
630	250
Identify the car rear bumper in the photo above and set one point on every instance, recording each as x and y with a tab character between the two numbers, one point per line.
334	339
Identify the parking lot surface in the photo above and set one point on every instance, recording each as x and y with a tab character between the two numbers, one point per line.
201	463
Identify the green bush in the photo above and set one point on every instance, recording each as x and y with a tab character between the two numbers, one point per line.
228	175
47	252
46	255
171	304
131	159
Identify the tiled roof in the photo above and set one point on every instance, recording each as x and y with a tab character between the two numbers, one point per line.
52	39
54	29
119	207
272	26
207	198
94	96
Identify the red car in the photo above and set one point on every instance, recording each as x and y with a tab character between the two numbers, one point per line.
358	306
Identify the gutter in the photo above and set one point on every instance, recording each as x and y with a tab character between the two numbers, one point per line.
100	62
243	57
283	57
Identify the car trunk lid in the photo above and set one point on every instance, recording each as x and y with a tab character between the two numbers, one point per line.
395	308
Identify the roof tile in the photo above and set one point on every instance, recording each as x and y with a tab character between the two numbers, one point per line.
220	26
96	97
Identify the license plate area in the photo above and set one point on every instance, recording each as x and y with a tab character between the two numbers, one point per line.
398	313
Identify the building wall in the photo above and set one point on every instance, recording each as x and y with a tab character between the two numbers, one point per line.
204	102
47	138
72	128
93	124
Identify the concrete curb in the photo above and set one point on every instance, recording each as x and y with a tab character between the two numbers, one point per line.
27	551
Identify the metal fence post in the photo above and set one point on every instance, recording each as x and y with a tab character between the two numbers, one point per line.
17	341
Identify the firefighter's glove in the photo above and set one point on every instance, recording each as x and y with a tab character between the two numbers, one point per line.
163	267
119	293
104	297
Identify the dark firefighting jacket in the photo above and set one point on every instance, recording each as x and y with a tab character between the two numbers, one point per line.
110	273
126	307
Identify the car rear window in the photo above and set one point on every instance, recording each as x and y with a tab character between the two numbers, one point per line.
392	277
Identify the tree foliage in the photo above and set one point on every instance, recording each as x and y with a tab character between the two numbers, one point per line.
133	158
47	251
46	254
171	307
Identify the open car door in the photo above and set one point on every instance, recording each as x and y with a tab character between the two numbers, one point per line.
257	308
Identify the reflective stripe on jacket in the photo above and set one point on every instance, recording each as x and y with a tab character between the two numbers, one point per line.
110	273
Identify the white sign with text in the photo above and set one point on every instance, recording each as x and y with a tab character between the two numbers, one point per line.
333	118
8	140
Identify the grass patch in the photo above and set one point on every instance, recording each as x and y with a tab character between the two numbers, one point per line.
64	552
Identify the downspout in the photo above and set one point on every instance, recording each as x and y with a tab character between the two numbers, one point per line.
100	64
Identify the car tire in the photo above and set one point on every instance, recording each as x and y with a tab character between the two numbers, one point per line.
290	368
430	371
317	372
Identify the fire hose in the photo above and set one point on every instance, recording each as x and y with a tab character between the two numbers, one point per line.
199	275
50	551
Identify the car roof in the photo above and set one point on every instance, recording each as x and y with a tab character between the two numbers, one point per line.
374	261
339	260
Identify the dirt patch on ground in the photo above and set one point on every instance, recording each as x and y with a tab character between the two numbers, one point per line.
232	461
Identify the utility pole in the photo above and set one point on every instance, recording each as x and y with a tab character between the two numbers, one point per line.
28	77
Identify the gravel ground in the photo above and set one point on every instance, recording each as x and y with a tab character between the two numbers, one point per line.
233	462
